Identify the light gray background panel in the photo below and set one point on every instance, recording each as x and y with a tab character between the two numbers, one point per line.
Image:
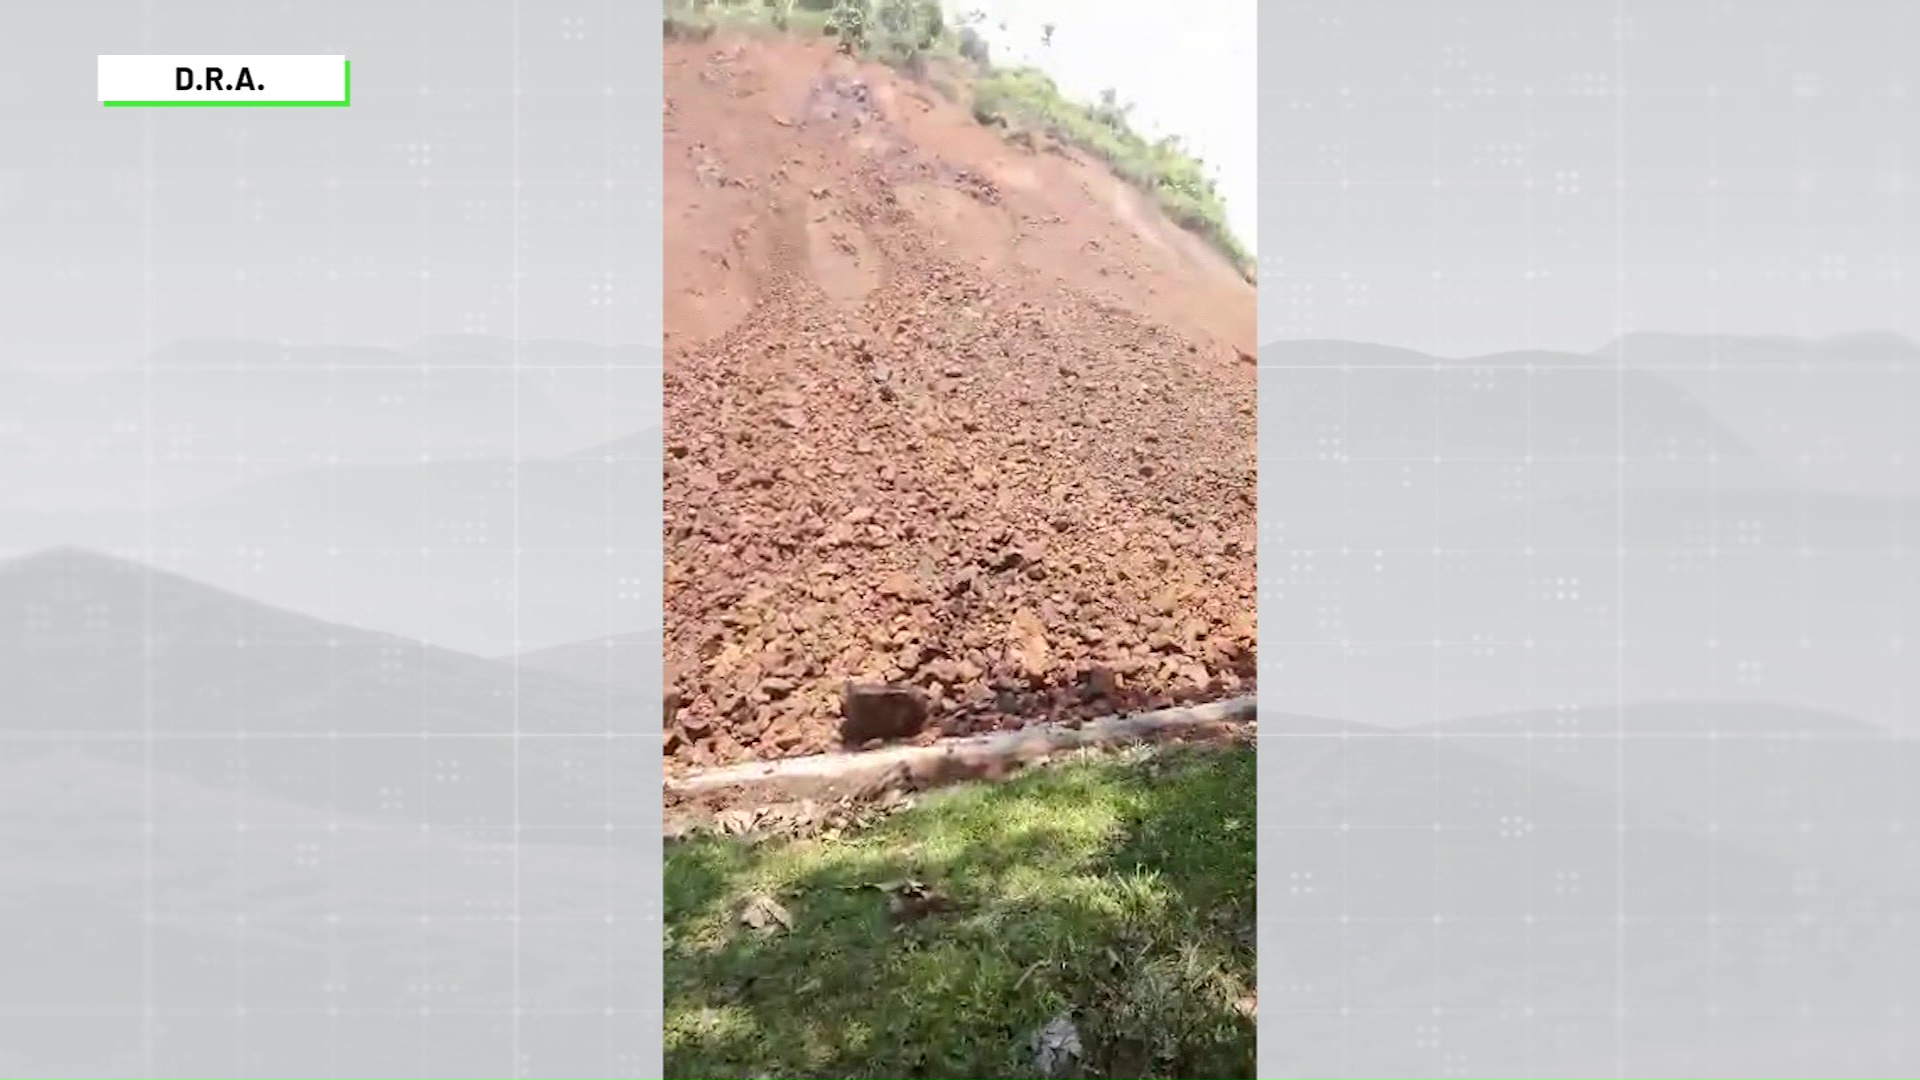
329	512
1588	411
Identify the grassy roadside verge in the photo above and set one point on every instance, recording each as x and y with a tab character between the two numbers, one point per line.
1116	892
1019	101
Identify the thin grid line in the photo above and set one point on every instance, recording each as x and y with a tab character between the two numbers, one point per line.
239	796
1529	332
1346	657
1902	672
1574	361
1433	510
481	838
1868	735
149	857
331	367
514	333
1433	597
1619	525
607	432
1713	511
474	835
181	1013
330	330
1800	591
418	643
416	638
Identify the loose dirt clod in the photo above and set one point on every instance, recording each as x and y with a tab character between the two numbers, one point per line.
886	713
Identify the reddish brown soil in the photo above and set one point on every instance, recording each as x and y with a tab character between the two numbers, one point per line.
939	410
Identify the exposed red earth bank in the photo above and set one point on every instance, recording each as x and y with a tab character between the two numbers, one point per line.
940	411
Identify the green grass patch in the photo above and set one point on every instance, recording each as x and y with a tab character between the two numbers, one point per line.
1117	891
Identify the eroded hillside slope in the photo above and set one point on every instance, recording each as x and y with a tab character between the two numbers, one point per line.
939	409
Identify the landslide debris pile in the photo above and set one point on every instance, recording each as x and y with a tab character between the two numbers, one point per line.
1026	502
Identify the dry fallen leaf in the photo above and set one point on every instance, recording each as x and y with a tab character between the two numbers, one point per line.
736	822
1056	1047
766	915
909	900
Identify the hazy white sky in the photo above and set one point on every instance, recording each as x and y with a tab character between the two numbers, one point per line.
1188	70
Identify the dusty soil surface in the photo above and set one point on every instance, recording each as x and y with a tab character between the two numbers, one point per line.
939	410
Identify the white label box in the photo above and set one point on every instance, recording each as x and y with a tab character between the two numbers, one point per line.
226	81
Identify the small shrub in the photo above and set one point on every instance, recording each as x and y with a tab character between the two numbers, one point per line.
909	62
850	22
682	28
903	32
974	47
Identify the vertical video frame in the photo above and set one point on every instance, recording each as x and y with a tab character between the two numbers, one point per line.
959	520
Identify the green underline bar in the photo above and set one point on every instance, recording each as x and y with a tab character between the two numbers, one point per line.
199	104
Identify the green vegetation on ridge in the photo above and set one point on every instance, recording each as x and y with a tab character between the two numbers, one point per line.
1025	98
1021	102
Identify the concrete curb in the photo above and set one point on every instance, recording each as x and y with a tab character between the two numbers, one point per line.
960	759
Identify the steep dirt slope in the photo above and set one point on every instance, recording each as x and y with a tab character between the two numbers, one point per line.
938	410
